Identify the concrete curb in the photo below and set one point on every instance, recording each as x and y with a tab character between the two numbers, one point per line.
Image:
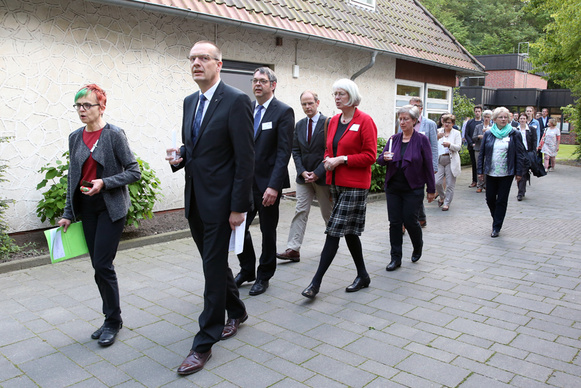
127	244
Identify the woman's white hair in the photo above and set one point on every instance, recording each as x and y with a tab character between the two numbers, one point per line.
411	110
351	88
499	110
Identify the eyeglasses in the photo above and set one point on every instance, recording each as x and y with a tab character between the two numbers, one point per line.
85	106
338	94
202	58
262	81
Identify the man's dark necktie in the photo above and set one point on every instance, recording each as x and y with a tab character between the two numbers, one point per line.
198	118
257	119
310	129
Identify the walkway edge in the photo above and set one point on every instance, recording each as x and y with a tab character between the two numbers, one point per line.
37	261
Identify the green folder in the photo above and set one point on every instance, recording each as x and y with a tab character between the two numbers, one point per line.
63	246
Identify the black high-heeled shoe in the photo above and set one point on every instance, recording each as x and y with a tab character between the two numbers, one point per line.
311	291
358	284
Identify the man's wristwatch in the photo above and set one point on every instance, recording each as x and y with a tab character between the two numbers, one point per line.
344	159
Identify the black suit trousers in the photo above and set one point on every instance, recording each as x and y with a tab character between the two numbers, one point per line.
102	236
220	291
268	218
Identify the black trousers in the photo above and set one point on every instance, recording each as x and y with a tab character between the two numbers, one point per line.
473	164
522	185
268	217
102	236
220	291
402	209
497	192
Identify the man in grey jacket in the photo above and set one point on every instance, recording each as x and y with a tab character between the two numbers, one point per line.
308	150
426	127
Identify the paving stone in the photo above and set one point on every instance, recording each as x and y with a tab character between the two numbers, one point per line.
478	381
247	373
484	369
378	351
485	331
54	370
337	370
433	370
520	367
462	349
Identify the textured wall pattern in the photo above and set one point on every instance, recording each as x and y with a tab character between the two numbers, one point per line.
49	49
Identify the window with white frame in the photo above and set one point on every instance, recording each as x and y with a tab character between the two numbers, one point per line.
365	3
437	99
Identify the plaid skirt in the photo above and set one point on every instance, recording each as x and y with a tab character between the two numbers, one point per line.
349	207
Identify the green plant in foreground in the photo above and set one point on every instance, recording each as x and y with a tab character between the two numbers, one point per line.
144	193
7	245
377	171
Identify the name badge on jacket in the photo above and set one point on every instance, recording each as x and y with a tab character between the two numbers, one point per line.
354	127
266	126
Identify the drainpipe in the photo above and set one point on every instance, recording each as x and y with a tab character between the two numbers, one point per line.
369	66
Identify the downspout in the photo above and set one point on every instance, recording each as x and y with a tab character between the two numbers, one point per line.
367	67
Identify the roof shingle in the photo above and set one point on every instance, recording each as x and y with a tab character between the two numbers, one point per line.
402	28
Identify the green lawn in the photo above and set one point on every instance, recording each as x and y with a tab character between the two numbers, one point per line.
566	152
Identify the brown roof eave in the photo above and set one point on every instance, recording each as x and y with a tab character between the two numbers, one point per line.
186	13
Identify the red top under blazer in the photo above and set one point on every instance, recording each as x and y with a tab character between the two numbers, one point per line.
360	146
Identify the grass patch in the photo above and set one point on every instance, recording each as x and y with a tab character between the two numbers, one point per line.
566	152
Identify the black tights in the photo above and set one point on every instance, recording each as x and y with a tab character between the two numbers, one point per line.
330	250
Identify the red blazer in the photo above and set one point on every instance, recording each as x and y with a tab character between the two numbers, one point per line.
360	146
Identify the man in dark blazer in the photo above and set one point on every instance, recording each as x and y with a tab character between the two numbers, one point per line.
273	129
218	157
308	151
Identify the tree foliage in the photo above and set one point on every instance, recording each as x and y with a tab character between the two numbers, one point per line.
558	52
489	27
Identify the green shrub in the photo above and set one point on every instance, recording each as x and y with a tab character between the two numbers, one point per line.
464	157
7	245
377	171
143	193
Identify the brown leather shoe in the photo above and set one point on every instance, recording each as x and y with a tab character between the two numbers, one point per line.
194	362
289	254
479	190
231	327
473	184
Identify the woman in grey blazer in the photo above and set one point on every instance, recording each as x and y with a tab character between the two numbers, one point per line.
101	166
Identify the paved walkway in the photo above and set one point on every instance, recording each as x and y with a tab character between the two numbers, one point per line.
473	312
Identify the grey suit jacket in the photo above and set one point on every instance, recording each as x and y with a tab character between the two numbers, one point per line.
309	157
116	166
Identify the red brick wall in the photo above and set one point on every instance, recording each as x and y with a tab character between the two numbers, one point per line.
514	79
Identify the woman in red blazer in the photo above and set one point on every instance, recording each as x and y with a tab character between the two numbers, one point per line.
351	150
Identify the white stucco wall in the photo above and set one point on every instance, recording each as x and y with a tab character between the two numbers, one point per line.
49	49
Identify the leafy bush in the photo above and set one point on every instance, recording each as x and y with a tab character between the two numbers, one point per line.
7	245
464	157
462	106
377	171
143	193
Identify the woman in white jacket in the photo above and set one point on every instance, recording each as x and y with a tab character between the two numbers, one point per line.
449	144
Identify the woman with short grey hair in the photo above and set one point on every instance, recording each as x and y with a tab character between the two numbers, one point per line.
351	150
501	159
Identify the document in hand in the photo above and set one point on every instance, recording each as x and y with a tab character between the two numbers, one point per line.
63	246
237	238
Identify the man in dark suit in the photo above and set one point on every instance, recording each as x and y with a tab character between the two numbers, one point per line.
308	151
468	134
218	157
273	128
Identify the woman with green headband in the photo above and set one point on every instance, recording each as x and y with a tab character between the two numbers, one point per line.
501	159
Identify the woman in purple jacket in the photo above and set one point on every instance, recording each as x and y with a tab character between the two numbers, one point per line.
408	157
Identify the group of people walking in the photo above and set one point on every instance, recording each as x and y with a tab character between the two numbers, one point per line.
235	154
